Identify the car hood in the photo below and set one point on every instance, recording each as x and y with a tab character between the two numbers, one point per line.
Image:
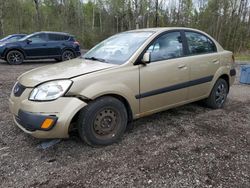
65	70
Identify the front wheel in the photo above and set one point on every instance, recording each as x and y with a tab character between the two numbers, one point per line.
218	95
103	121
67	55
58	59
14	57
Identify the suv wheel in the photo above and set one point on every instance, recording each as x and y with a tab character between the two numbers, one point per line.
14	57
103	121
67	55
218	95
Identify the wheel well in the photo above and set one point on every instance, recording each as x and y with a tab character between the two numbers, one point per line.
68	49
226	78
6	53
120	98
126	104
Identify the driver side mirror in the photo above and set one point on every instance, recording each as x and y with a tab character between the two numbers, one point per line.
28	41
146	58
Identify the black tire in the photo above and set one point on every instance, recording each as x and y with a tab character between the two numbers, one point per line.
58	59
67	55
218	95
14	57
102	122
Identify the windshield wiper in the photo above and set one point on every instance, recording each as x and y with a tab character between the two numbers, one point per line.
95	59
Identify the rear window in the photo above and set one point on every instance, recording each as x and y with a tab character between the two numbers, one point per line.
56	37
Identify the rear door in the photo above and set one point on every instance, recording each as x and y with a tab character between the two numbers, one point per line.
163	80
205	61
56	43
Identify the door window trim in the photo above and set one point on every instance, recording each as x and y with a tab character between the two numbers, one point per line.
188	52
184	47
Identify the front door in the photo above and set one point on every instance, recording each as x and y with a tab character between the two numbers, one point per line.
36	46
163	81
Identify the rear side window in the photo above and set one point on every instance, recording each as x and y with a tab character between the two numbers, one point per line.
56	37
199	44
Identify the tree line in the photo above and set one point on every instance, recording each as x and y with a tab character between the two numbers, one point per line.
228	21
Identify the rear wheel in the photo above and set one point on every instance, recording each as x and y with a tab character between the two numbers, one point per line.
103	121
67	55
14	57
218	95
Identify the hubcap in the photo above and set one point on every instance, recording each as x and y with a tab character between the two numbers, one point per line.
68	55
15	57
105	123
221	94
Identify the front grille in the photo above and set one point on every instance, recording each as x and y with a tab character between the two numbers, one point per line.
18	89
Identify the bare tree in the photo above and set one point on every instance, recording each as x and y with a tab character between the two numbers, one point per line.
38	14
2	5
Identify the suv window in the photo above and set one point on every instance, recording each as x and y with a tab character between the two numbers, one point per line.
199	44
57	37
166	47
38	38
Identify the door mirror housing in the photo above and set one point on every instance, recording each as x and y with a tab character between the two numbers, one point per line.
146	58
28	41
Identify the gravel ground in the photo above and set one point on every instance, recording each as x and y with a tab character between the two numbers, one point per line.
189	146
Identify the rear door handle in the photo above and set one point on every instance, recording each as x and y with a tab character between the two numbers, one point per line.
182	66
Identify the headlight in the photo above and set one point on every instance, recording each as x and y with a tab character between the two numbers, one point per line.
1	45
50	90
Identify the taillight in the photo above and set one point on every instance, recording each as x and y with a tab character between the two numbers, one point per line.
77	43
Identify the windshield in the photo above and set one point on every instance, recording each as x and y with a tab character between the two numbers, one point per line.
27	36
5	38
118	48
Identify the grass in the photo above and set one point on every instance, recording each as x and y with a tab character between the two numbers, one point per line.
242	57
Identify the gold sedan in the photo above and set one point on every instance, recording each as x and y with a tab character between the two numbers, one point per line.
128	76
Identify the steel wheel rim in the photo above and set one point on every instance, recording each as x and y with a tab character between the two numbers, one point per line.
220	94
68	55
15	57
106	123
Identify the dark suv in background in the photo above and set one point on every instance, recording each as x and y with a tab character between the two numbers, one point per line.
41	45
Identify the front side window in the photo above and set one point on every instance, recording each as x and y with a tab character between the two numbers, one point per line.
118	48
166	47
199	44
38	38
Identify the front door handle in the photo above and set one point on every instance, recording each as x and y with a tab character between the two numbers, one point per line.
182	66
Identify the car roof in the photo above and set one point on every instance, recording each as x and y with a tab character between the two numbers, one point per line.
53	32
162	29
18	35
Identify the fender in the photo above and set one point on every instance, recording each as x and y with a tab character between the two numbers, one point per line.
97	90
6	51
225	70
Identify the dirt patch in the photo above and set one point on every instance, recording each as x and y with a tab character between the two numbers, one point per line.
189	146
